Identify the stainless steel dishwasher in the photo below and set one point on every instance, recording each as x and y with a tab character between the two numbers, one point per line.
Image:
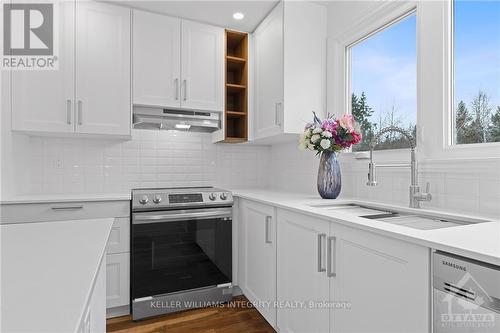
466	295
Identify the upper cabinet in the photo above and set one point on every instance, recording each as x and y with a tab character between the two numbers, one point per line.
290	68
171	71
102	68
90	92
157	59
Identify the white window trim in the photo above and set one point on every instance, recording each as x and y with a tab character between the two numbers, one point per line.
434	82
487	149
385	15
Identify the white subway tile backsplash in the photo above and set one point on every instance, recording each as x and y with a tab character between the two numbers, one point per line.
150	159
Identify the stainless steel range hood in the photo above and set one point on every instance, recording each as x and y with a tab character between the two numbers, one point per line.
172	119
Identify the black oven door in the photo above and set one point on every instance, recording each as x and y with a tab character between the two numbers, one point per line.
180	250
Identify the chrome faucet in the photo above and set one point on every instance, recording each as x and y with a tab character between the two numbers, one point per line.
415	194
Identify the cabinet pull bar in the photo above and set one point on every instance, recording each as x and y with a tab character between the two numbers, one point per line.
67	208
185	90
68	111
331	263
276	113
176	89
321	243
268	232
80	116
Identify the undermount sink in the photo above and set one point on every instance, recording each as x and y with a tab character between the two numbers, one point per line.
411	220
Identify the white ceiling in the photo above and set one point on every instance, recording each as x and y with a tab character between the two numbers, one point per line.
214	12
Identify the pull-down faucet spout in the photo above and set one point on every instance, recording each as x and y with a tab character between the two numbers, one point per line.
415	194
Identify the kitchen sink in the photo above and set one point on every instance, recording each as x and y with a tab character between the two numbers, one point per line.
407	219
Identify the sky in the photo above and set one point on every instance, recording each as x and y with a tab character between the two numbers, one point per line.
384	65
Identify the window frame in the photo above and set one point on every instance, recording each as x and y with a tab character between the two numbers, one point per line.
450	143
348	62
372	21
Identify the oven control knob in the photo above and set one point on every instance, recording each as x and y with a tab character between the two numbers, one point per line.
157	199
223	196
144	200
212	196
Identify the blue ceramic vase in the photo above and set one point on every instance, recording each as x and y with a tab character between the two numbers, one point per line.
329	179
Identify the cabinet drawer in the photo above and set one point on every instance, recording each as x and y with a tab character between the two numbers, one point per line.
40	212
117	279
119	238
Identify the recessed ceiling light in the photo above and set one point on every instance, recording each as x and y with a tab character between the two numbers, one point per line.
238	16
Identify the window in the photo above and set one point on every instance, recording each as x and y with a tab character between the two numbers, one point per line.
383	80
476	41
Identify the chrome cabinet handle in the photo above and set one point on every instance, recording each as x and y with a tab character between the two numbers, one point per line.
185	89
321	246
176	89
268	232
277	110
331	263
80	116
67	208
68	111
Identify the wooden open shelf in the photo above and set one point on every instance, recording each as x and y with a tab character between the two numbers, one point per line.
236	109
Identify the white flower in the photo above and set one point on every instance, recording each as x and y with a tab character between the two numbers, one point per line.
325	144
327	134
317	130
310	146
315	138
308	133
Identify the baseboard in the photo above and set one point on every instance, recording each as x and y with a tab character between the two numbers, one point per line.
118	311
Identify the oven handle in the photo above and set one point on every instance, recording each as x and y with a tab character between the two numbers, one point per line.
182	216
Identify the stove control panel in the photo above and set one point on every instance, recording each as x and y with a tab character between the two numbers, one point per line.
171	198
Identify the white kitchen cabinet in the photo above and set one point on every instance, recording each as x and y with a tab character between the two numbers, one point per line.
90	92
177	63
43	100
117	280
268	52
156	59
102	68
202	66
257	256
302	273
329	264
290	68
386	281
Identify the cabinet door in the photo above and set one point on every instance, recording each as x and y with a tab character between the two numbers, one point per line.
117	279
269	74
103	103
385	280
302	273
258	256
42	100
156	59
202	66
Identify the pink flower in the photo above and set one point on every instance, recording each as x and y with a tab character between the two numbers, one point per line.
308	126
347	122
329	125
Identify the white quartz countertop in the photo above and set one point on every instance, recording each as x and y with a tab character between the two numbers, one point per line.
45	198
480	241
48	270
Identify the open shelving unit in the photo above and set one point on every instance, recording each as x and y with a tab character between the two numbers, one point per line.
236	91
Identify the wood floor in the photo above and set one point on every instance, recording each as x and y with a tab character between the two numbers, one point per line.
234	318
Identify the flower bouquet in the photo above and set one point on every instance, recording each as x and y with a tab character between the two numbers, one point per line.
328	137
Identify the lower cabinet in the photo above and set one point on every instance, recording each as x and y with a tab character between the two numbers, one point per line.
302	279
257	256
327	277
118	269
386	281
117	280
